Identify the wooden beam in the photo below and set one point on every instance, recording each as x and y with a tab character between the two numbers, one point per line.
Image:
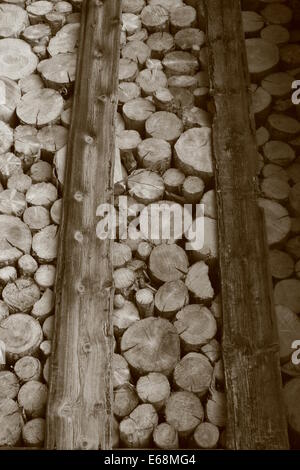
80	395
256	417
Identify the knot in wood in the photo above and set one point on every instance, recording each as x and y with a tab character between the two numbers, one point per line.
98	3
80	288
78	196
88	139
87	347
78	236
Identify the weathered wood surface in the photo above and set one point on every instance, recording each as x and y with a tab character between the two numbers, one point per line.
80	398
256	418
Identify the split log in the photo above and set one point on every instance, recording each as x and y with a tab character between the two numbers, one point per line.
184	412
287	293
10	96
160	44
38	34
36	217
193	153
165	436
128	91
9	385
21	334
289	56
11	423
151	345
263	57
125	400
41	194
294	199
276	34
293	247
280	153
136	430
58	72
275	188
65	40
137	51
153	388
278	222
216	409
252	23
276	13
170	298
188	38
173	180
16	59
38	10
291	392
44	306
155	155
288	325
48	327
206	436
133	6
128	70
164	125
6	136
19	182
145	302
28	368
151	80
44	244
281	264
33	433
180	63
283	127
21	295
13	21
168	263
193	374
155	18
45	276
145	186
198	282
15	239
136	112
40	107
121	372
32	397
27	265
182	17
124	317
196	326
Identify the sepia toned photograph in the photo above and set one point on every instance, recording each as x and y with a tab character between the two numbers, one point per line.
149	229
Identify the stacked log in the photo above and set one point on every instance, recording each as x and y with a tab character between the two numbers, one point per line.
38	42
271	32
167	366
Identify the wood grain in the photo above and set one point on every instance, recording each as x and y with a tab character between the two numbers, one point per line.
256	418
80	396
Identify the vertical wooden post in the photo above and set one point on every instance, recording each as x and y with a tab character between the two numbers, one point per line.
256	418
80	395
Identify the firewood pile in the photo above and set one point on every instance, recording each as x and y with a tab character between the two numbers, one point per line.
272	32
38	41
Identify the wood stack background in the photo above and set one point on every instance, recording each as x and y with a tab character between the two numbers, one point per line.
272	31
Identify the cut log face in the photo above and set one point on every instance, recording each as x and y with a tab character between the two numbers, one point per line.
160	44
180	63
154	154
216	409
188	38
9	385
13	21
276	34
151	80
294	199
196	326
263	57
193	374
173	179
65	40
275	188
128	70
151	345
153	388
121	372
155	18
168	263
283	127
59	71
137	51
165	436
277	14
164	125
136	430
193	153
21	334
146	186
11	423
171	297
6	137
128	91
287	293
10	96
28	368
33	433
182	17
133	6
16	59
167	4
124	317
278	84
252	23
32	397
27	265
40	107
279	153
198	282
289	56
184	412
278	222
21	295
291	393
125	400
206	436
281	264
44	244
38	34
288	329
